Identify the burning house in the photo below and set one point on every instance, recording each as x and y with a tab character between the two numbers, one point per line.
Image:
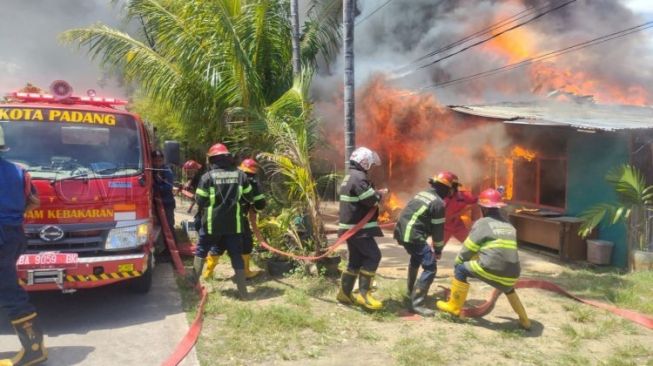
564	153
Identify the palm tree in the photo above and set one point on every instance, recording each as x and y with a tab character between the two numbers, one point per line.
634	199
212	62
290	161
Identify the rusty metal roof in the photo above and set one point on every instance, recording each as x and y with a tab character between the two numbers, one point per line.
582	116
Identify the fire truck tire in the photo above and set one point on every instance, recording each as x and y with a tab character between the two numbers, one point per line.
143	284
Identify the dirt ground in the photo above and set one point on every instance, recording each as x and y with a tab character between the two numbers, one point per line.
295	320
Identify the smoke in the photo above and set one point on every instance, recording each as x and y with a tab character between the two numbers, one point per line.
406	30
30	51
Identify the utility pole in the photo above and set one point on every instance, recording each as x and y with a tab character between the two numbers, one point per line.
294	22
348	50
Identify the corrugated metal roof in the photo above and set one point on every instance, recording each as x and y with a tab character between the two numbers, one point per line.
582	116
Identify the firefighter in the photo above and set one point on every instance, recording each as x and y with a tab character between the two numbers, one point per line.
489	254
192	170
424	216
250	168
455	205
219	195
17	195
357	197
163	188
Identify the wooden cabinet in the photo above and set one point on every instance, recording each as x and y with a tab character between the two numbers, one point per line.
556	233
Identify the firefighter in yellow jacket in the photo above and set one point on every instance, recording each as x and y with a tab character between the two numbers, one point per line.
493	241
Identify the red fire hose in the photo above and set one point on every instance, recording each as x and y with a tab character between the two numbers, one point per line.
486	308
189	340
343	238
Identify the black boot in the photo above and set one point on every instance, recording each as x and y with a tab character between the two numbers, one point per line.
418	297
240	278
31	338
347	282
196	272
412	277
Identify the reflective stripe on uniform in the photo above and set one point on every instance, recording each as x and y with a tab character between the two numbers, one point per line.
366	226
209	218
240	194
501	244
439	244
412	221
362	196
459	259
469	244
478	270
202	193
438	221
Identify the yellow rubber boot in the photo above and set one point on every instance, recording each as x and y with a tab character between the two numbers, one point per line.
347	282
519	309
31	339
364	297
211	263
248	273
457	298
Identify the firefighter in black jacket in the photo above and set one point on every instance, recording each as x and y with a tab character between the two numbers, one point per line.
357	197
250	167
219	195
422	217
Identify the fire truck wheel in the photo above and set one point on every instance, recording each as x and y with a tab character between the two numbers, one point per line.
142	284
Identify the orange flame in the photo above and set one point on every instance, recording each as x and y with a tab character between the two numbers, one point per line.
520	152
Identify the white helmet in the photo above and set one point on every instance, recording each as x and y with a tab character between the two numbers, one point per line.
365	157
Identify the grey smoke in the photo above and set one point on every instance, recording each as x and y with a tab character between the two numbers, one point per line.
407	29
30	52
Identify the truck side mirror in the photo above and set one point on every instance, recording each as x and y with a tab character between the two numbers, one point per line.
171	151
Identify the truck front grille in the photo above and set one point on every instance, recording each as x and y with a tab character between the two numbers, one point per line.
79	238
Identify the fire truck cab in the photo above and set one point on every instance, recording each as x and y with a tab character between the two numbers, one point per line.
90	164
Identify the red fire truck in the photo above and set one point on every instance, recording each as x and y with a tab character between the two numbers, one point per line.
90	164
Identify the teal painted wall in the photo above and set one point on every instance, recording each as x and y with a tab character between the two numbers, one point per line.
590	157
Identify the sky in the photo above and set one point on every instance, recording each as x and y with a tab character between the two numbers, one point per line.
30	51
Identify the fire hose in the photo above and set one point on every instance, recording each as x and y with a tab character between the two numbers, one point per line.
189	340
342	239
486	308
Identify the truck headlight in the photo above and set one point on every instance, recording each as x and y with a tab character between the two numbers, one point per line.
127	237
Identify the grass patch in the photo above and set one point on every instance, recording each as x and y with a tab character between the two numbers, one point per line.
632	355
630	291
416	352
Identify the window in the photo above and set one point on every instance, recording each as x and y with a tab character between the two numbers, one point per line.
541	181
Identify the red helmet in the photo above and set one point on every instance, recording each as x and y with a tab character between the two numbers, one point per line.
191	165
490	198
217	149
449	179
249	166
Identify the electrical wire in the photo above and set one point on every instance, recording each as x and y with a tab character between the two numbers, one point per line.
522	14
537	16
372	13
529	61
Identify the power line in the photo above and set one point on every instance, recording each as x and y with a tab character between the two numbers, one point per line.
537	16
372	13
576	47
522	14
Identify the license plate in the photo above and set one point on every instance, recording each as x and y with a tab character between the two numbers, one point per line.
47	260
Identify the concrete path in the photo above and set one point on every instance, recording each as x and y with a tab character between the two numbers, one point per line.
109	326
